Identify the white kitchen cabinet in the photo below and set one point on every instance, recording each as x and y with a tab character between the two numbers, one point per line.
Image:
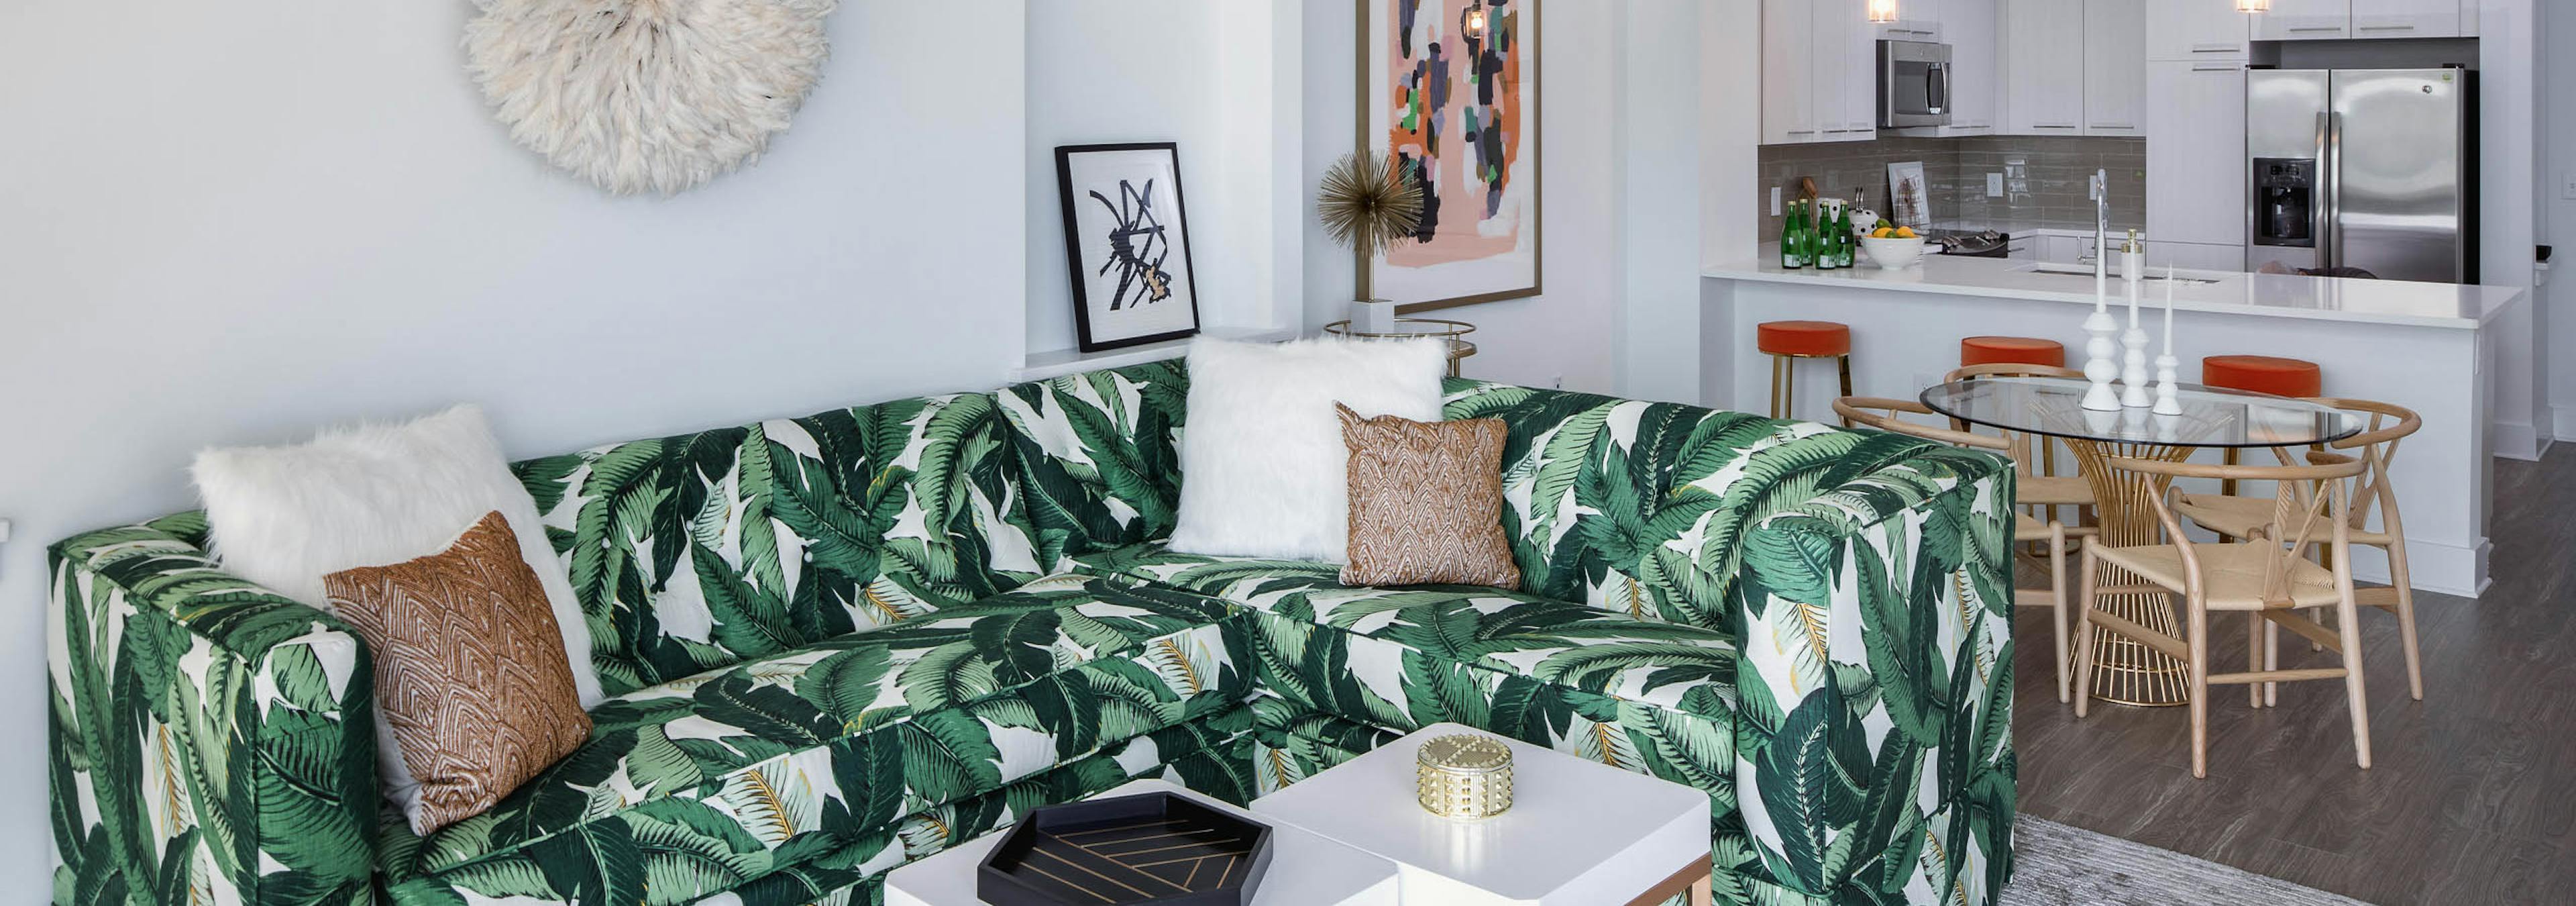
2196	169
1788	75
2469	18
2198	30
1917	20
2406	18
2304	20
1819	73
2115	68
1976	66
2044	67
1846	66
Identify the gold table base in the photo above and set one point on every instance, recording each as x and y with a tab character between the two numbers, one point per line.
2125	671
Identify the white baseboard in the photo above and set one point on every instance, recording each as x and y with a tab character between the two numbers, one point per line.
2518	440
2563	421
2436	567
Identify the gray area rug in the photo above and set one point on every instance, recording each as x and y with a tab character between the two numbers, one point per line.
2057	865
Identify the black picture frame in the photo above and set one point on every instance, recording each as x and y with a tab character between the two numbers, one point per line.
1081	271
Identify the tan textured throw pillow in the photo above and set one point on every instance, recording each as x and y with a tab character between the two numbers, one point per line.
470	671
1426	502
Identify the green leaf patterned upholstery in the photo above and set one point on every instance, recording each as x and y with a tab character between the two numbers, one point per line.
834	647
705	550
715	779
1100	453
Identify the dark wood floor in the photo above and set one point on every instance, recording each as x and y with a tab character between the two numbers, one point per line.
2472	796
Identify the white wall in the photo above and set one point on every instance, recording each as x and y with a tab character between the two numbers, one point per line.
2509	66
1204	76
2557	166
231	224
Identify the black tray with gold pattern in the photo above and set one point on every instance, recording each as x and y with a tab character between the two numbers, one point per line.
1155	848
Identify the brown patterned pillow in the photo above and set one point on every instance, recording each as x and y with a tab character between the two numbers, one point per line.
472	684
1426	502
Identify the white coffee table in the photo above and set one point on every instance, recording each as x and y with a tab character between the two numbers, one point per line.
1579	833
1305	868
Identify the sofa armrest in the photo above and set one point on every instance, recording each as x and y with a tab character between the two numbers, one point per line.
211	741
1874	739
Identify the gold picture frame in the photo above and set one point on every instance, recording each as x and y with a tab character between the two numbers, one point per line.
1518	22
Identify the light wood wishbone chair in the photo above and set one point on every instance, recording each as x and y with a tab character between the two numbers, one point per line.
1873	412
2249	517
2041	486
2269	578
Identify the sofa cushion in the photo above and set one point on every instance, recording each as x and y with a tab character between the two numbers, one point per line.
850	733
1098	452
1505	632
1639	507
705	550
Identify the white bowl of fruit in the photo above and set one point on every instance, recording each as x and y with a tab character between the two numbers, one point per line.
1892	247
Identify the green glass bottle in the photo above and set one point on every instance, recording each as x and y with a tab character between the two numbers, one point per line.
1792	241
1829	252
1845	244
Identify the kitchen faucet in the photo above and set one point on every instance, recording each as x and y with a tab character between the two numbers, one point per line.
2101	186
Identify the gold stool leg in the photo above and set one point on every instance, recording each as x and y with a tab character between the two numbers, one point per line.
1844	361
1775	386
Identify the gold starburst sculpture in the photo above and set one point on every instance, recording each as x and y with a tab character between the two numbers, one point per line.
1367	206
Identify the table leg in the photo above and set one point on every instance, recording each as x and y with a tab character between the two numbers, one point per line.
2125	671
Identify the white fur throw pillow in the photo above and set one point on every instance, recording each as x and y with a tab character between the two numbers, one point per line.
376	495
1263	467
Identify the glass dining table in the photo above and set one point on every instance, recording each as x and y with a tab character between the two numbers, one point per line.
2126	671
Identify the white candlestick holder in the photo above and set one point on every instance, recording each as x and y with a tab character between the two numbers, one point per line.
2133	370
2168	390
2098	366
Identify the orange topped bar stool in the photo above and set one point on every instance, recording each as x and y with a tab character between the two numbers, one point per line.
1975	351
2264	374
2297	378
1789	341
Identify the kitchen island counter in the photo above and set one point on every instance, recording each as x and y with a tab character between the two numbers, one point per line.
2392	302
2425	346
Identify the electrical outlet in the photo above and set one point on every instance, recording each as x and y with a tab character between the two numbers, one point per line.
2566	188
1775	201
4	530
1557	382
1994	185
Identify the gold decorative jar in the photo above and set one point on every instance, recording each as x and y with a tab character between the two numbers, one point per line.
1464	775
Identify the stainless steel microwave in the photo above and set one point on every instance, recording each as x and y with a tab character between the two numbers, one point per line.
1913	84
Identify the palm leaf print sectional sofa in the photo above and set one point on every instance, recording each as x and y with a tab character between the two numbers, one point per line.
838	643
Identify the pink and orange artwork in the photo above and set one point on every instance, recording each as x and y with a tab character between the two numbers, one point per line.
1454	92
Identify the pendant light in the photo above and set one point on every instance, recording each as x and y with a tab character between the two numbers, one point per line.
2253	6
1474	22
1883	12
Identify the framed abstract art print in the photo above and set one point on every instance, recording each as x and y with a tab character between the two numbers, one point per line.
1127	243
1449	91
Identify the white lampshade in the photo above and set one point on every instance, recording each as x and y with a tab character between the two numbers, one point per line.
2253	6
1882	12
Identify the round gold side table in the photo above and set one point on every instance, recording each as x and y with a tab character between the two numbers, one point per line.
1453	332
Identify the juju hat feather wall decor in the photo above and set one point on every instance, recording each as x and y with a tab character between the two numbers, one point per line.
638	95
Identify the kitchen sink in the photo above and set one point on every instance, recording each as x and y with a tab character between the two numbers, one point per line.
2079	270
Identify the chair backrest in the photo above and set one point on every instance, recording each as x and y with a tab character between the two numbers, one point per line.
2388	424
1881	413
2010	369
2309	501
2026	449
700	551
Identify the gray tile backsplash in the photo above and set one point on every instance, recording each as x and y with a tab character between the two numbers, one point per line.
2044	178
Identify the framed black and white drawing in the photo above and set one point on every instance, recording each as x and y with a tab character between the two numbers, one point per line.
1127	243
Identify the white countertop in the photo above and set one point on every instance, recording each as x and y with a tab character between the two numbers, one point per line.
2395	302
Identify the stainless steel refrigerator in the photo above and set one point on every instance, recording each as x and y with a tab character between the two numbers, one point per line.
2363	169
